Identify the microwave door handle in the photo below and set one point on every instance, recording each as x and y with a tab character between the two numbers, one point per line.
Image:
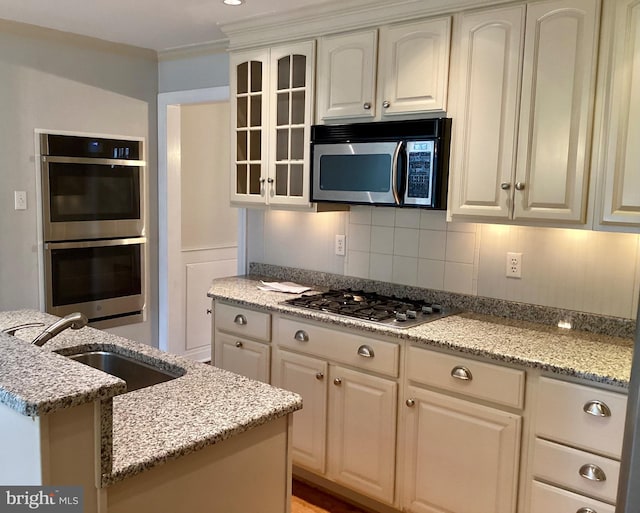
394	173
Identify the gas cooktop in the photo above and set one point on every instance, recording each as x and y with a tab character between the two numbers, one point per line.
373	307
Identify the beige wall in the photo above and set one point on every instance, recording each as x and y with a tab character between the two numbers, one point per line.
580	270
54	81
207	220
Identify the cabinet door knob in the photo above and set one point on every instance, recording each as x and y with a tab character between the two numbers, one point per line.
505	186
366	351
597	409
337	381
386	104
319	376
301	336
410	403
519	186
208	311
240	320
366	106
270	180
462	373
592	472
238	344
586	510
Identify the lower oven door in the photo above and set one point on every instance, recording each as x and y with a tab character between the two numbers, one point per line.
103	279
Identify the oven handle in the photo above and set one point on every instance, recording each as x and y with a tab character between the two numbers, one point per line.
94	243
394	173
84	160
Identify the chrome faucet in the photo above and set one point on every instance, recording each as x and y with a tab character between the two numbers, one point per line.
75	321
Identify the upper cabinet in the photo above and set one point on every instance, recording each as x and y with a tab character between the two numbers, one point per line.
524	155
409	65
620	179
271	105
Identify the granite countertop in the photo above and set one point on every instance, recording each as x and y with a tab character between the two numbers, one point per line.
148	426
594	357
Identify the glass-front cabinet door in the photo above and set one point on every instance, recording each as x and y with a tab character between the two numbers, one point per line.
271	100
249	105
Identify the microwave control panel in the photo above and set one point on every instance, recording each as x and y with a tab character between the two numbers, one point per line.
419	187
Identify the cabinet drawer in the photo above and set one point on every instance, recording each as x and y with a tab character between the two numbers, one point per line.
545	499
240	321
562	415
362	352
568	467
245	357
493	383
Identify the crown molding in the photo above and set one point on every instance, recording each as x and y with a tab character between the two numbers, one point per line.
338	16
195	50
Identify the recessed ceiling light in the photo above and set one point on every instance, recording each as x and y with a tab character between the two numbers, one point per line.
233	2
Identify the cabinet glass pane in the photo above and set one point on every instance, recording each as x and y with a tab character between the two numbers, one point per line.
241	148
241	179
283	72
242	112
282	144
297	143
295	180
299	69
283	109
254	179
242	78
255	146
256	110
281	179
256	76
297	108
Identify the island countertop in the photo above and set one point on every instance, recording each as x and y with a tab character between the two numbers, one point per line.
152	425
593	357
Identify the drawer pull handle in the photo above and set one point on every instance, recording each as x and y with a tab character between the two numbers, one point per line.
319	376
240	320
238	344
462	373
586	510
597	409
337	381
366	351
301	336
410	403
592	472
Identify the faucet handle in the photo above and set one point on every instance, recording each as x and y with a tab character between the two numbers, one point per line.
12	330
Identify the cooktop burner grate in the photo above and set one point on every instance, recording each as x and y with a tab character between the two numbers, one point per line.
370	306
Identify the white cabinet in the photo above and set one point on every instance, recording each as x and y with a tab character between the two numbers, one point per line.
542	172
271	105
621	168
411	64
459	456
241	341
579	431
346	431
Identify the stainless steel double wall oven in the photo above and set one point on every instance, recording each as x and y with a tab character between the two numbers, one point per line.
93	192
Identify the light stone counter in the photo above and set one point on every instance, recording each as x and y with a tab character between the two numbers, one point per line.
594	357
148	426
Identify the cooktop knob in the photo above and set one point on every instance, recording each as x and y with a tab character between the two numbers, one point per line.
436	307
412	314
427	309
401	316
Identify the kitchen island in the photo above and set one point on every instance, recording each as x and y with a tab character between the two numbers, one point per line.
193	443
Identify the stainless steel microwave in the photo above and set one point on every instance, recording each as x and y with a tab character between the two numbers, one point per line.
395	163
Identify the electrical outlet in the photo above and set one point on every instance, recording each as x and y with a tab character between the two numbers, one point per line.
514	265
20	200
340	247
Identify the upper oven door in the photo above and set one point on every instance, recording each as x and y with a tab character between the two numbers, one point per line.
90	198
356	172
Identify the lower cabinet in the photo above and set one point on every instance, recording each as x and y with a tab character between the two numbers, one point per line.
242	356
346	430
458	456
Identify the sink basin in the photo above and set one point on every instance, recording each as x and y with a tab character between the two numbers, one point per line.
135	373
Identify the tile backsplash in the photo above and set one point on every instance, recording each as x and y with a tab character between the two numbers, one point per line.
412	247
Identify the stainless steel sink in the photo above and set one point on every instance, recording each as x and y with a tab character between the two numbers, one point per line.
137	374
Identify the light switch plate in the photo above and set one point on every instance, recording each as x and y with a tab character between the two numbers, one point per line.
20	200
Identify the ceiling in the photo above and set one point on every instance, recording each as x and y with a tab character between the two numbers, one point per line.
154	24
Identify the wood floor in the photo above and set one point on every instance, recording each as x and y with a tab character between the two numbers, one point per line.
307	499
